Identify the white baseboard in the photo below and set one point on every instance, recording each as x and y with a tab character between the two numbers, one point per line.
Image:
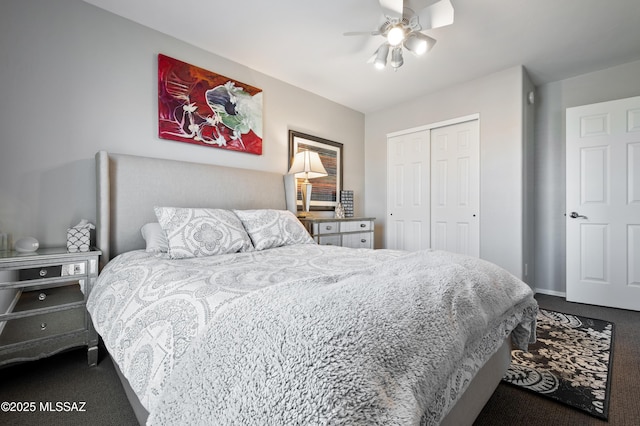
551	292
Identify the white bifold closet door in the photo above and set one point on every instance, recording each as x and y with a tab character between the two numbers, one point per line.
434	189
408	191
455	188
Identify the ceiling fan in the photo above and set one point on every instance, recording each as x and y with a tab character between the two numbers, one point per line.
403	22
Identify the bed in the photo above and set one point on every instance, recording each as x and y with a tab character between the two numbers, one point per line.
281	330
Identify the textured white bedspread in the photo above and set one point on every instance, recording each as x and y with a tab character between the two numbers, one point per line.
148	308
386	338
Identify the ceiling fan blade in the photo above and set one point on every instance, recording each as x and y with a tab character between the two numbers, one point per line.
392	8
418	5
437	15
356	33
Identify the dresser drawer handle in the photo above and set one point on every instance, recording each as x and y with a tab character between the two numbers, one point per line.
43	272
42	296
43	326
363	225
363	240
328	227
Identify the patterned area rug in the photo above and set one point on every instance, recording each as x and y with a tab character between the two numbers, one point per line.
570	362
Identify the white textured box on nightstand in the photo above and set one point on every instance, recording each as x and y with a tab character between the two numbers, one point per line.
78	239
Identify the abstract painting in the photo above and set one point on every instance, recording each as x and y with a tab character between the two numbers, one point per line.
204	108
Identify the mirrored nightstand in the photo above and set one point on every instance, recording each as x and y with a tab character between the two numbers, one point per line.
44	294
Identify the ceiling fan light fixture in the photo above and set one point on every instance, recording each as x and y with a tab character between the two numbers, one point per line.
396	35
396	57
380	60
415	44
419	43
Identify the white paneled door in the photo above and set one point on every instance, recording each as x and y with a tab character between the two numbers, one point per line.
433	187
603	204
455	188
408	191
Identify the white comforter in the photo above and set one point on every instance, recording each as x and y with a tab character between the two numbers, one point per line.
149	311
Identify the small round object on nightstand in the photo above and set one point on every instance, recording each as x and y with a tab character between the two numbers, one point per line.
26	245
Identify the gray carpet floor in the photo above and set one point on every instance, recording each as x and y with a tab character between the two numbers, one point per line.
67	378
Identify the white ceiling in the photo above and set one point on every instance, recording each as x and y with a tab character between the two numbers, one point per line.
302	42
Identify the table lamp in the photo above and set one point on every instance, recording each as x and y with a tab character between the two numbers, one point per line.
306	164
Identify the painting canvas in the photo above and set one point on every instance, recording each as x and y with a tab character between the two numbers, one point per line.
204	108
325	192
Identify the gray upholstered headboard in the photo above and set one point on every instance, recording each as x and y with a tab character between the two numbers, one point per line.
130	186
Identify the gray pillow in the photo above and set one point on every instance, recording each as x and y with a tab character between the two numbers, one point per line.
155	238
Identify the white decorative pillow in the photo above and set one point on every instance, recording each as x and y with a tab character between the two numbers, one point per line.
273	228
202	232
155	238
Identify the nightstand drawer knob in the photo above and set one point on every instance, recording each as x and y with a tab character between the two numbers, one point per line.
363	225
363	240
43	326
43	272
42	296
328	227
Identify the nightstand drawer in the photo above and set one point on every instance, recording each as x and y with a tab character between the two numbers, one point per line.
39	273
48	297
329	240
326	228
42	326
52	271
356	225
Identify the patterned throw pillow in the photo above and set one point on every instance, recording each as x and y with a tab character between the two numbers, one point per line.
273	228
202	232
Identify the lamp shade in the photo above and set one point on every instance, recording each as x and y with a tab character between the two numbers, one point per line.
306	164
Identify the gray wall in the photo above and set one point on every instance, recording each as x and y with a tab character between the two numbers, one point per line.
76	79
552	101
500	101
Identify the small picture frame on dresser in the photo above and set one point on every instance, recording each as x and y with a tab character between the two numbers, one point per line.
346	198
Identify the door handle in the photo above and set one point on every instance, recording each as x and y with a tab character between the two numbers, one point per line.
575	215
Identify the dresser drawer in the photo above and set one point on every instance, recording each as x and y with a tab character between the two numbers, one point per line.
358	240
355	225
329	240
42	326
48	297
326	228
